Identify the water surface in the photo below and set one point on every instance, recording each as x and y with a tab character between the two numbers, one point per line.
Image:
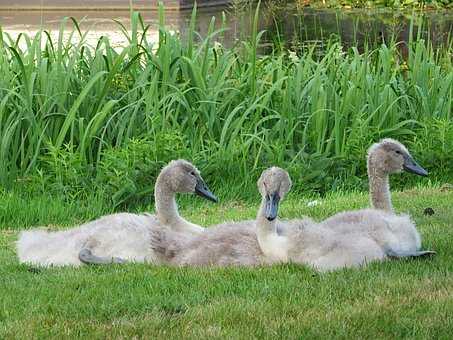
289	24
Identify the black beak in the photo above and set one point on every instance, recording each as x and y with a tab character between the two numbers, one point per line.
201	189
272	201
411	166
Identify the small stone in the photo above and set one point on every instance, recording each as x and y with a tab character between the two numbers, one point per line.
428	211
313	203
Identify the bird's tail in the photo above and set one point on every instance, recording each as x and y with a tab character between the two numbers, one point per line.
43	248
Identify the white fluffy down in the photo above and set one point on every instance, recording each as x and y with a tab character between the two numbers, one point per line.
119	235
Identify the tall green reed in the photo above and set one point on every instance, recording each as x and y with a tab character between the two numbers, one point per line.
236	110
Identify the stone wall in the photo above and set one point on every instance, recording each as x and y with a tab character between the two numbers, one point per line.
202	3
105	4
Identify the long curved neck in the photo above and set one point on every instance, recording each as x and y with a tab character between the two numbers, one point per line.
379	189
165	201
272	245
264	227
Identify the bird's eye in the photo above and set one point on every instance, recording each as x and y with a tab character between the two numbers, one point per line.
398	152
193	173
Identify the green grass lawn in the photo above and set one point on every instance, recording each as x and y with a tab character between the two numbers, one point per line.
385	300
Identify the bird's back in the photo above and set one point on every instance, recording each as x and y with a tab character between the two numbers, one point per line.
226	244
